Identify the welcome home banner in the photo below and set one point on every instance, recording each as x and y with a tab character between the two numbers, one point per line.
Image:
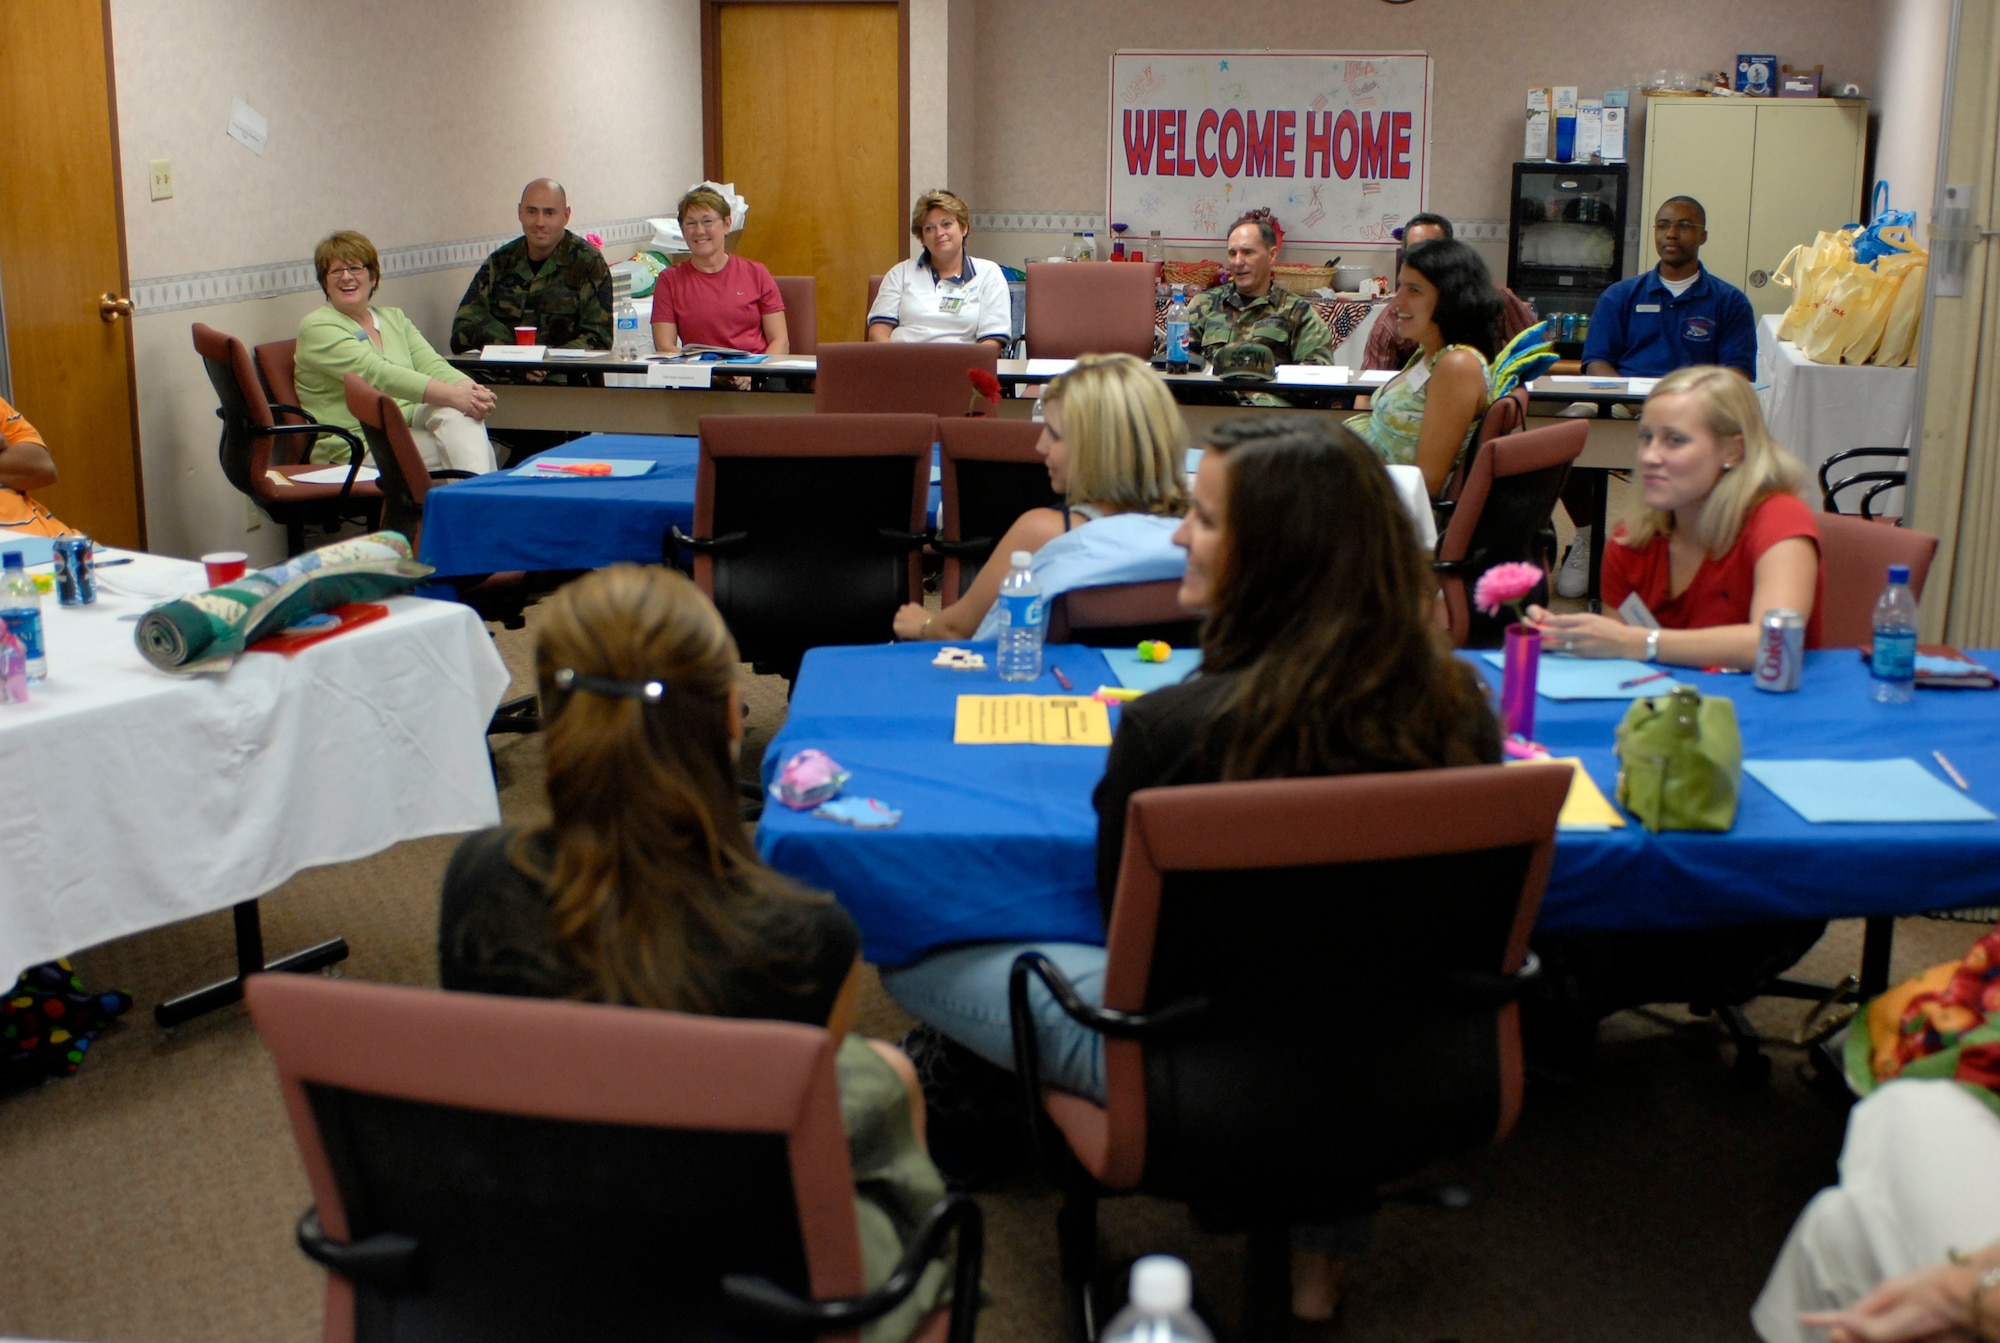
1336	144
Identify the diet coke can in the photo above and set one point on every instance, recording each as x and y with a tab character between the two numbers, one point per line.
1781	651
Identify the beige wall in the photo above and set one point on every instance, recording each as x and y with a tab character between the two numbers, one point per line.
414	123
1909	89
1043	66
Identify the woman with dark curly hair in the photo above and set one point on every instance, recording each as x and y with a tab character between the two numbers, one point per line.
1428	414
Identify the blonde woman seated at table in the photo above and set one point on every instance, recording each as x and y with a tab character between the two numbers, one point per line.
944	294
1720	535
714	298
1318	658
1115	446
643	887
347	334
1427	415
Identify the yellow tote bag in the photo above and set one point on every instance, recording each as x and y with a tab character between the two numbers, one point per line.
1810	275
1862	333
1898	346
1849	292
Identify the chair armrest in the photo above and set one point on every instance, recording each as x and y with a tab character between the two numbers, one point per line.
707	545
904	540
971	545
389	1260
356	455
1451	566
771	1303
1477	990
288	408
452	473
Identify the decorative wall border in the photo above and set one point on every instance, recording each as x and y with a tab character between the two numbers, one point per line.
202	289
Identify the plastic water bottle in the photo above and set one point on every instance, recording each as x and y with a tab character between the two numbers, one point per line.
1160	1310
1177	332
626	342
21	608
1023	616
1893	663
1089	252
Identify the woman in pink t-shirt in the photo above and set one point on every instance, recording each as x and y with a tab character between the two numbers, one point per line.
1719	538
714	298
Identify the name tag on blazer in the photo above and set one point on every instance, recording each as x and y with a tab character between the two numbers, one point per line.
1645	307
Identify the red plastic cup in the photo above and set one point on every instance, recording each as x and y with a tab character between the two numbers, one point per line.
225	566
524	335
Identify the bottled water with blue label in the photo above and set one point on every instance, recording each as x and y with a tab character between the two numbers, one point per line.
1161	1306
1023	615
21	608
1893	661
1177	333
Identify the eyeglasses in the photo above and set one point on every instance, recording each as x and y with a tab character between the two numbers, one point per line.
335	272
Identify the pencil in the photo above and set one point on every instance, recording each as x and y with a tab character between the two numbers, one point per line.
1061	680
1956	777
1641	680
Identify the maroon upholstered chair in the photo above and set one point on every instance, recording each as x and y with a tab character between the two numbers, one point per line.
989	474
277	364
1508	415
900	377
1089	309
255	446
1250	945
511	1169
1854	557
801	295
807	528
1509	491
1116	614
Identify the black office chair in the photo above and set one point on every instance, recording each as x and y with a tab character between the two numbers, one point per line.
1877	482
989	474
1269	1058
808	527
503	1169
1499	514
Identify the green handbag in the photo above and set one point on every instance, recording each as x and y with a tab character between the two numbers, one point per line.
1680	761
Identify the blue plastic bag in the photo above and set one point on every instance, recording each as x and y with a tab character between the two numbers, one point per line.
1875	240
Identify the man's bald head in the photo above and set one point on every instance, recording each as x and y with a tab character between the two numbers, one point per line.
544	214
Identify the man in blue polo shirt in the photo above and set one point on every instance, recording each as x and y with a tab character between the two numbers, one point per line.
1674	315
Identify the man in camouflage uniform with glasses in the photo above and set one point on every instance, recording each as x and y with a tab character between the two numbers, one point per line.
547	278
1251	308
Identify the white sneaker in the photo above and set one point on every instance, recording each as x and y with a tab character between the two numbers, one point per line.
1573	579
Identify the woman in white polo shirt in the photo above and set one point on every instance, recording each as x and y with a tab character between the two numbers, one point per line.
944	294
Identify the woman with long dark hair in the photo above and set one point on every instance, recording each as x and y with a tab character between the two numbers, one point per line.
1427	414
643	887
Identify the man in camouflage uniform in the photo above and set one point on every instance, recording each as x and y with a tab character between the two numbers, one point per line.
1252	308
547	277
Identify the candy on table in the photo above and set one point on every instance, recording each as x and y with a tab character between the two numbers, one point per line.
1115	694
959	659
808	779
1155	650
863	813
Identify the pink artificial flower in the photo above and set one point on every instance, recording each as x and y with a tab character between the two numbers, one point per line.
1505	583
594	239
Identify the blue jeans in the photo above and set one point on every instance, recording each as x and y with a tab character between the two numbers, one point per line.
963	992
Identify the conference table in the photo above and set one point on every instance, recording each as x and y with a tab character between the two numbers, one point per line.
137	797
999	842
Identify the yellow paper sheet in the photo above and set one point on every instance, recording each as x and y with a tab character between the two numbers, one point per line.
1586	804
1041	720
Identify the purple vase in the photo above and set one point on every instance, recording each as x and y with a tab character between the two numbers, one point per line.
1517	680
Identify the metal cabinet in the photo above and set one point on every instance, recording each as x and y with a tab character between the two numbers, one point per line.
1770	172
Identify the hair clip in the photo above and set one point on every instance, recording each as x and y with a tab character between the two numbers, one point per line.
569	678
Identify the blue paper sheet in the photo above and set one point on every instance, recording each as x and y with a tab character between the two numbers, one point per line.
621	467
1825	791
1561	678
34	549
1136	675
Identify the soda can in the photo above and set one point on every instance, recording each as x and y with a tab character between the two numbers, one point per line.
1781	651
76	571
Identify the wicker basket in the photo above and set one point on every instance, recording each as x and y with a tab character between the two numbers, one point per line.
1306	280
1196	275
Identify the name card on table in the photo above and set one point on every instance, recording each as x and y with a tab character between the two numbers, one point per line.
1049	368
1323	375
514	354
680	375
1037	720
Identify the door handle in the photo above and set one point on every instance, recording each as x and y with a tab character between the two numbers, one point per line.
111	307
1759	278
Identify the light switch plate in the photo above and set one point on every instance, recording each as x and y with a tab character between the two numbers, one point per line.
160	179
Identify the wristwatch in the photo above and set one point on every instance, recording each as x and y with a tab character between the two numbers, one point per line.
1652	645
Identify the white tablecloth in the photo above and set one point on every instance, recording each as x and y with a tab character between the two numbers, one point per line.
1817	410
134	798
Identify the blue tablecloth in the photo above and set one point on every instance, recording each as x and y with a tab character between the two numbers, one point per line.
500	522
1000	841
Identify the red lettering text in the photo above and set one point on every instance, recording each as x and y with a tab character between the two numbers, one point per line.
1319	143
1258	149
1163	144
1374	145
1287	142
1399	158
1186	164
1231	151
1139	141
1346	145
1204	134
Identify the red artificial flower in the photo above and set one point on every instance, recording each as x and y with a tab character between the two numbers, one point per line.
983	383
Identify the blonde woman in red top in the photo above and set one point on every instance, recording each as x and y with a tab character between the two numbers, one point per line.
1720	536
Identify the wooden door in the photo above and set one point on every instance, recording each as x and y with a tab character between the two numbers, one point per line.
806	117
1705	150
62	247
1807	178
